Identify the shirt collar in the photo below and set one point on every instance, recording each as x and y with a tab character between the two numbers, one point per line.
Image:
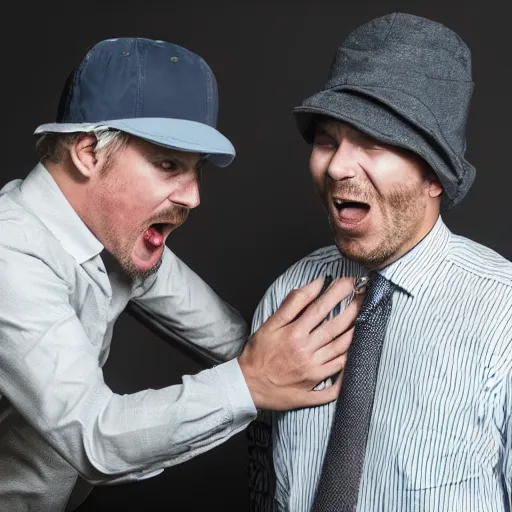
43	197
409	272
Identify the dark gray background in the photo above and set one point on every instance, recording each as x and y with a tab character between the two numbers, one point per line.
260	215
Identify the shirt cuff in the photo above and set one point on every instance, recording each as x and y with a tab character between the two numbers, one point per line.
239	396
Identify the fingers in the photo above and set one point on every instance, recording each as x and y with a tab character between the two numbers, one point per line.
329	368
290	356
325	396
320	309
336	326
294	303
334	349
335	365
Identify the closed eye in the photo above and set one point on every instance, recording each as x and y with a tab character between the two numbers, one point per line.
367	142
323	140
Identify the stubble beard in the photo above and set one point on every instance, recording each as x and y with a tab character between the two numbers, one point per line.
403	212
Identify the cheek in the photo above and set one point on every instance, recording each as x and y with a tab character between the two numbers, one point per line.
126	206
318	164
317	161
390	171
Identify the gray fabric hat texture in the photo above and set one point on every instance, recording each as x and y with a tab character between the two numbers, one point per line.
406	81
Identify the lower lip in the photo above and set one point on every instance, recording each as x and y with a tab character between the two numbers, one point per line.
151	254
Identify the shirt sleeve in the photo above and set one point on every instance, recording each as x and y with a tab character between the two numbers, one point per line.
49	372
182	308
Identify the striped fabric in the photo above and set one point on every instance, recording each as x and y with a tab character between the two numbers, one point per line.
441	432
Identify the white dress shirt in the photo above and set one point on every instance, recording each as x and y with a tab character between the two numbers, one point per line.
440	437
58	306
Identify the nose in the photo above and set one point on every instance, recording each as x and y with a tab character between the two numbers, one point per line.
344	163
186	193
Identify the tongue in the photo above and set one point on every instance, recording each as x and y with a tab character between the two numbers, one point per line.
353	213
153	237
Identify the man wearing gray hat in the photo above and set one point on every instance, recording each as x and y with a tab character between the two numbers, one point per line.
81	238
423	421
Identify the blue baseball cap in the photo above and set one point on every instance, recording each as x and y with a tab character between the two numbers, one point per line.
155	90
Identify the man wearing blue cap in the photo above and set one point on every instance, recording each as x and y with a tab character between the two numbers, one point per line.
84	235
423	421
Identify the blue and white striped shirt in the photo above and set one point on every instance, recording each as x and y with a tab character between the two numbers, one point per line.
441	432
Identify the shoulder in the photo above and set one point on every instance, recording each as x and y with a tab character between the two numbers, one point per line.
484	287
480	261
24	238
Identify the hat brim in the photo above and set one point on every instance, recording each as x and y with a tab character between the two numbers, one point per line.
379	121
179	134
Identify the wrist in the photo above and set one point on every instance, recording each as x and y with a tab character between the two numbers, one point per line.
251	379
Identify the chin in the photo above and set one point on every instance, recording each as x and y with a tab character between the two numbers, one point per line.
137	269
352	248
142	271
359	251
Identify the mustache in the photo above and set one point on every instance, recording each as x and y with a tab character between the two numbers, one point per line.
352	190
176	214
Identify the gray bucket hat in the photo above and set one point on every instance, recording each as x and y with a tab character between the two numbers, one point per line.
406	81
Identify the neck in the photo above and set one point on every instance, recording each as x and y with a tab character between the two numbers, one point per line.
425	228
72	184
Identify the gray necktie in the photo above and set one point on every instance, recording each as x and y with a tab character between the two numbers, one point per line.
338	487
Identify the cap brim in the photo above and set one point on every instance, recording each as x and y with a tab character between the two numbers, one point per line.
379	121
179	134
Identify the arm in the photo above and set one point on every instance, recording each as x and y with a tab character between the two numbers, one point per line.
177	304
49	372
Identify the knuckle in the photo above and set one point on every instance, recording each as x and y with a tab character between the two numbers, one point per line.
297	293
296	335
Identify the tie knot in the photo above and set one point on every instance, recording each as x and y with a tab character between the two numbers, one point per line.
377	289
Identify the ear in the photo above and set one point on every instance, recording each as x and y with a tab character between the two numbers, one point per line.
434	188
83	154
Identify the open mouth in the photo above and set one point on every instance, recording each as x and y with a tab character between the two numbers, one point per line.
156	234
351	211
